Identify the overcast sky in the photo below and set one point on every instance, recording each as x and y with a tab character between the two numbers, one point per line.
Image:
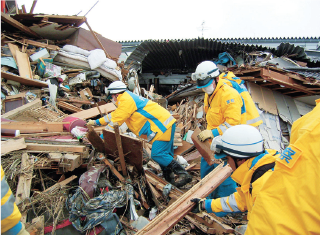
134	20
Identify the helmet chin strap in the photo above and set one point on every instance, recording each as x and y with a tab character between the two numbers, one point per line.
235	162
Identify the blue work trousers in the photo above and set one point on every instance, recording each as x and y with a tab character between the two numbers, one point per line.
162	151
225	189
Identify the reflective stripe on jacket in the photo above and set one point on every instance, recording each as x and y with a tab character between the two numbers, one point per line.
252	114
142	116
223	109
289	203
10	214
243	200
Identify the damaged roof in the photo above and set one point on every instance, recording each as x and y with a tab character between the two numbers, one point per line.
183	56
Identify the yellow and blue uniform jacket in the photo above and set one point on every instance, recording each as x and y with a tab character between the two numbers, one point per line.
243	200
252	115
10	214
289	200
224	108
142	116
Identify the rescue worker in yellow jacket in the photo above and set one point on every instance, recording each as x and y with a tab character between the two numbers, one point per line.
252	115
289	201
145	117
224	108
242	145
10	214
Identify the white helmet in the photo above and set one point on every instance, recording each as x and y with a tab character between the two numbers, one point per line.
115	88
205	72
241	141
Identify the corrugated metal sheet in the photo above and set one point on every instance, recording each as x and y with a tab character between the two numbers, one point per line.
182	56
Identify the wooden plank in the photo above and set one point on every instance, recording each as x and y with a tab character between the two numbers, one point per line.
20	95
93	112
12	145
97	39
190	157
59	185
284	80
24	65
132	148
120	149
190	166
214	226
33	6
181	207
72	100
24	9
8	19
45	134
183	148
95	140
26	127
24	184
68	107
203	147
56	148
159	183
201	226
42	45
23	80
13	49
119	176
154	192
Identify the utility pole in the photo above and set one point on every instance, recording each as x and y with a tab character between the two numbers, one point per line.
202	27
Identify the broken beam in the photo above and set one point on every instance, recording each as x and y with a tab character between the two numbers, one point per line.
8	19
284	80
169	217
56	148
120	149
114	170
24	185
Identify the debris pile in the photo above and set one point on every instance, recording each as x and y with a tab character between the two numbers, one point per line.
67	175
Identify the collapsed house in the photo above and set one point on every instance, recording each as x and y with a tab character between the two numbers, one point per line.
66	178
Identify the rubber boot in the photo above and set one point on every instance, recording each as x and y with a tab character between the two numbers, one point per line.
179	170
168	175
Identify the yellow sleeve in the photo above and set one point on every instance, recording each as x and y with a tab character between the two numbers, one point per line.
10	214
233	203
126	107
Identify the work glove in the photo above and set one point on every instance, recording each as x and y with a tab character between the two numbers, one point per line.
204	135
91	122
198	207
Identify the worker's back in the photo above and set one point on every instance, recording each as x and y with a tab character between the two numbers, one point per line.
252	115
288	203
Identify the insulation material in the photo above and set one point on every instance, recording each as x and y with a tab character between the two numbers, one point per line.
286	107
263	97
271	131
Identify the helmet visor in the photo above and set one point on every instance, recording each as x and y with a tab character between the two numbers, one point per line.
195	76
216	142
204	83
107	91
